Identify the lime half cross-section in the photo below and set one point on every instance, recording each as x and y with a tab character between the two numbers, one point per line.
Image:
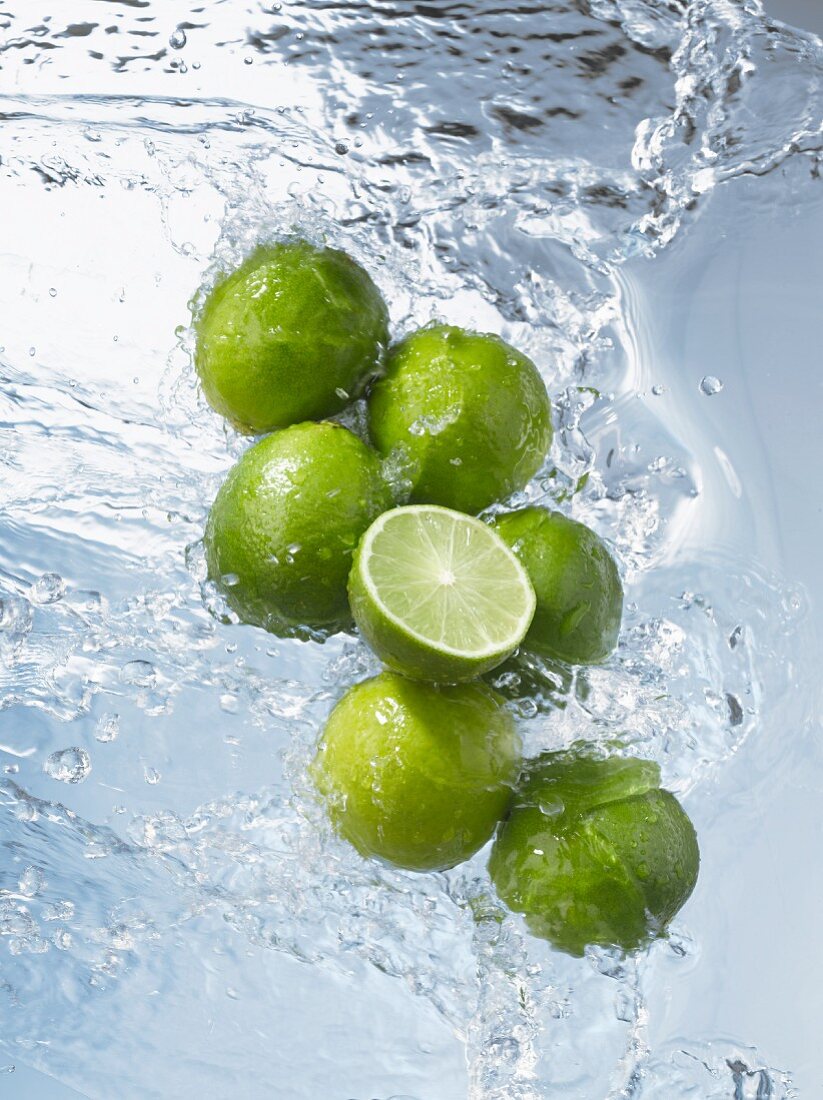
439	595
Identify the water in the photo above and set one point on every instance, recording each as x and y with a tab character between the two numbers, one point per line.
175	917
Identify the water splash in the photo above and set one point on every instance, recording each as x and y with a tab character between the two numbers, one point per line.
492	167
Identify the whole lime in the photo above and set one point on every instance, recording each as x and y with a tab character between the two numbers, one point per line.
417	775
292	334
282	530
575	579
594	852
465	416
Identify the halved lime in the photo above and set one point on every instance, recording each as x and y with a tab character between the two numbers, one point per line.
439	595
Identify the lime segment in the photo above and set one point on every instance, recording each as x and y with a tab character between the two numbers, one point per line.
438	594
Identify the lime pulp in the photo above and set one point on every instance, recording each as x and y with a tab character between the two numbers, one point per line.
438	595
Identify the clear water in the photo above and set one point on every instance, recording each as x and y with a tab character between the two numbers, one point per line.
175	918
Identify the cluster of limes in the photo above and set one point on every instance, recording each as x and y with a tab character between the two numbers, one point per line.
314	529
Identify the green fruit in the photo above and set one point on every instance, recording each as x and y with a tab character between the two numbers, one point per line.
292	334
466	415
437	594
417	775
594	852
579	595
282	530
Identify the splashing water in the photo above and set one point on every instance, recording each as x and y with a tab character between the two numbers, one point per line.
495	166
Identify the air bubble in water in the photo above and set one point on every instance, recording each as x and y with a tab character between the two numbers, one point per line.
15	622
59	910
151	775
229	703
527	708
48	589
735	709
139	673
108	727
68	765
31	882
711	385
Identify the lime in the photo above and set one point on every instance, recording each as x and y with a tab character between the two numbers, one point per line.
437	594
579	595
466	415
292	334
594	852
414	774
282	530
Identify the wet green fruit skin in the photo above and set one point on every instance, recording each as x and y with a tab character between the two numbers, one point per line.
594	853
293	334
282	530
466	416
575	579
417	775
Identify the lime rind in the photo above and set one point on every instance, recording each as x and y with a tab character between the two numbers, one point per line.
438	594
580	782
469	412
417	775
295	333
594	852
578	587
284	526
